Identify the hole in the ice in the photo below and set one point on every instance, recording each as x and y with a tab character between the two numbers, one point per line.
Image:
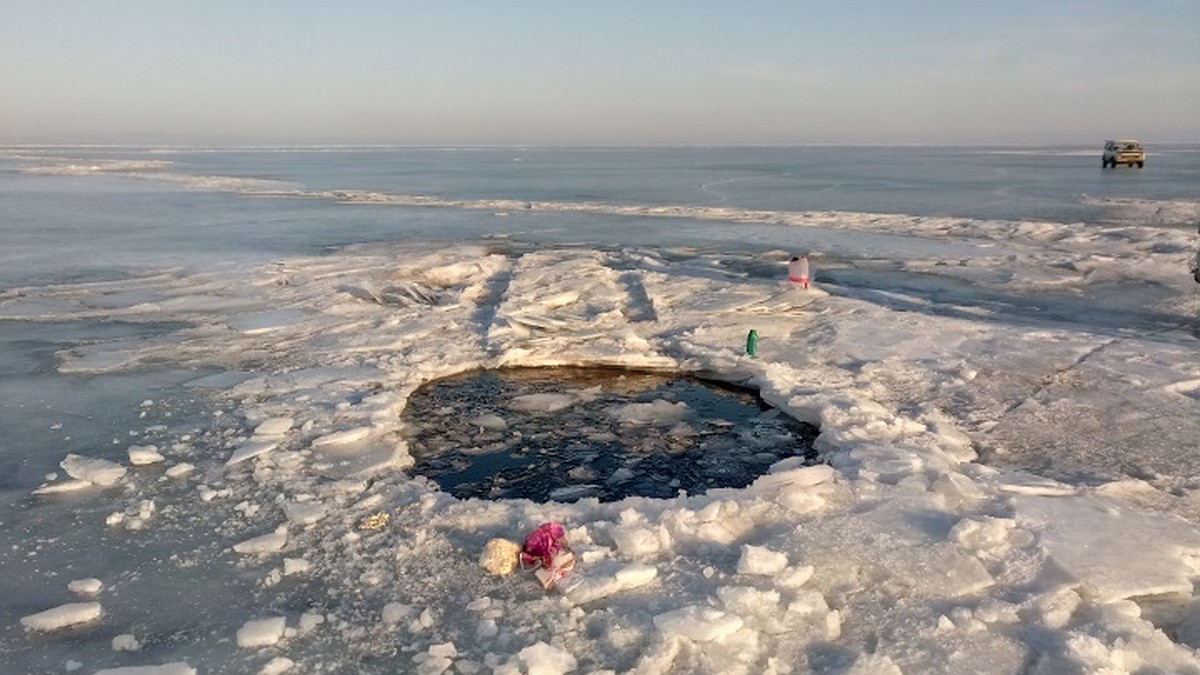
564	434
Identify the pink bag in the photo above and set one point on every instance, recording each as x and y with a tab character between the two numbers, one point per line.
546	552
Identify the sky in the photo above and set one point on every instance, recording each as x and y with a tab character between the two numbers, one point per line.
623	72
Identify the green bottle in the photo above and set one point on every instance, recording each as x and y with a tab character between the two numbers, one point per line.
752	342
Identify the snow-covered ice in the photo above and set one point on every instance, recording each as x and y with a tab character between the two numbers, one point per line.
913	548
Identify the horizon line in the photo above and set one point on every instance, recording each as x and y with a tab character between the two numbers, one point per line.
551	146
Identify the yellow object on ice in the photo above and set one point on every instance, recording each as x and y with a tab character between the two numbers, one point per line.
375	522
500	556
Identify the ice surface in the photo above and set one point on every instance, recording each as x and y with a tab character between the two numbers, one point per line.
264	322
1114	552
905	551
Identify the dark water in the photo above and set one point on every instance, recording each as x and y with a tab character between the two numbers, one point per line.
594	447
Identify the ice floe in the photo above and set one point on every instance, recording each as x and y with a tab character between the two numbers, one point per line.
63	616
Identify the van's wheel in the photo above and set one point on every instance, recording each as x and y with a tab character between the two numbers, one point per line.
1141	164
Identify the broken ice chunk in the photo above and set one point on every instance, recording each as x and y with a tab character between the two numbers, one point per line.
261	632
252	448
140	455
544	658
125	643
304	513
179	470
173	668
92	469
268	543
490	422
761	560
65	486
70	614
273	426
702	624
89	586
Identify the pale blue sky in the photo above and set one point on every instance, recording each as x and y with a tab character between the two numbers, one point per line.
616	72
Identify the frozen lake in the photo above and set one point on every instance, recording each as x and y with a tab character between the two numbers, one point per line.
207	355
